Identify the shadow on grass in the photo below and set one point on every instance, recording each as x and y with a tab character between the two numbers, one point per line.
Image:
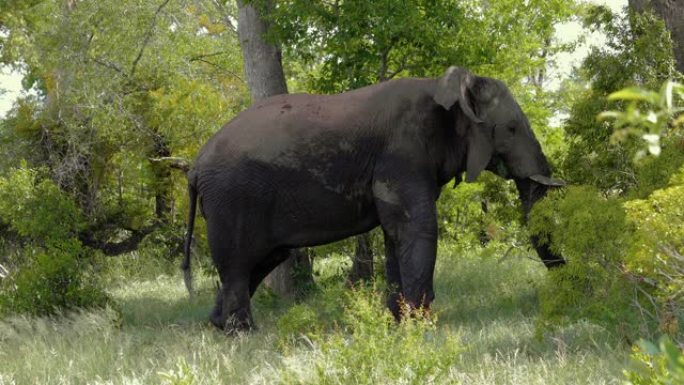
164	305
495	305
150	309
476	291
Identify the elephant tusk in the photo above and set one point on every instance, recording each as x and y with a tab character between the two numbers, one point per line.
547	181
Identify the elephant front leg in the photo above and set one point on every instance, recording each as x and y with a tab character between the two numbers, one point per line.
393	278
416	256
410	227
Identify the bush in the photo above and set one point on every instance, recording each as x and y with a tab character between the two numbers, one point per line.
49	270
51	280
369	347
592	232
35	208
656	257
661	364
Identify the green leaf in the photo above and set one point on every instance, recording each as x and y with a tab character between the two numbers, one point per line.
606	115
635	94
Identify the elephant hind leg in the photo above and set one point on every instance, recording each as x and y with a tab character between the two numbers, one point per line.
265	267
232	311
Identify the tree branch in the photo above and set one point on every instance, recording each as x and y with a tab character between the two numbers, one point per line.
117	248
111	66
202	56
173	162
382	72
221	68
400	68
148	36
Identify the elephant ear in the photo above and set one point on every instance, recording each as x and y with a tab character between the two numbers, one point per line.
452	88
456	86
480	150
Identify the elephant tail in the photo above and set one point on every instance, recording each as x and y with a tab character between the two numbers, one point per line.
185	265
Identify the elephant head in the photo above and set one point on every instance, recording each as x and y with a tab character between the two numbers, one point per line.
499	138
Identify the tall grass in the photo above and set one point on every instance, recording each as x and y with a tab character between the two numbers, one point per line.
484	334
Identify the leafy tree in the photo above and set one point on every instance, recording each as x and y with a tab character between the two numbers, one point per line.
618	244
119	86
638	52
123	90
672	13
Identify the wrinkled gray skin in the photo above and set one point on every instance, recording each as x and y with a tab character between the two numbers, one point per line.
303	170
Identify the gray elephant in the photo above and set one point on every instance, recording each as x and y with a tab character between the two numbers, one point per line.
303	170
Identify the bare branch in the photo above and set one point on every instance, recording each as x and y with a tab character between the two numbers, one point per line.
111	66
173	162
148	36
221	68
202	56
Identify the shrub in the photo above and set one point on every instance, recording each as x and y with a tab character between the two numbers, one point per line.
656	256
51	280
49	270
661	364
592	232
368	347
35	208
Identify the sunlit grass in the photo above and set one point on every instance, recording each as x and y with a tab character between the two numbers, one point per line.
157	334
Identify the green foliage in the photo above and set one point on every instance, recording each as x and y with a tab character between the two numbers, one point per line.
35	208
349	44
50	281
581	224
50	271
473	214
118	86
368	347
638	53
661	364
592	233
656	256
662	109
655	172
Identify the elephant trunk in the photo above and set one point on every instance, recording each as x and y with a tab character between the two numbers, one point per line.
532	190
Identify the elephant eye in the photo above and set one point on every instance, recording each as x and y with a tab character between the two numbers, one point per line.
511	129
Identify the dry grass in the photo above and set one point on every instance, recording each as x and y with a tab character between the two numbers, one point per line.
159	335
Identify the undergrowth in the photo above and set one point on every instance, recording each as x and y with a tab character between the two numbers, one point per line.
483	332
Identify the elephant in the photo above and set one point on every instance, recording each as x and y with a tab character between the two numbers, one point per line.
300	170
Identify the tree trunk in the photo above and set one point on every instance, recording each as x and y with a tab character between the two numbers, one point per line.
262	59
264	72
672	12
163	184
362	264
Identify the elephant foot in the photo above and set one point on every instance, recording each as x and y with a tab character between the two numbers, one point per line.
401	308
234	321
394	301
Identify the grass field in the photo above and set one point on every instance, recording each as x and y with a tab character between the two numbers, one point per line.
485	334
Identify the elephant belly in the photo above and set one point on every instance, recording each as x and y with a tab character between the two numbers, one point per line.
313	214
265	208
